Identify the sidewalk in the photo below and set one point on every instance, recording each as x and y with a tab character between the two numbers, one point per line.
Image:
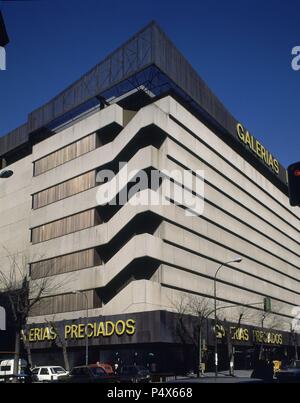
237	374
223	377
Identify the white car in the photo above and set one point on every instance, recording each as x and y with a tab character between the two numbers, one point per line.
48	373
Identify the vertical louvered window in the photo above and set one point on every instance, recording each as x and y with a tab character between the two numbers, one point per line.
65	154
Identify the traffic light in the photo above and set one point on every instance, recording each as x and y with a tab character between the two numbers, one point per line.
267	304
3	34
294	184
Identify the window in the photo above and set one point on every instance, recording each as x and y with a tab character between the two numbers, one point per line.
64	264
44	371
65	154
96	371
5	368
57	370
64	226
64	190
66	303
78	371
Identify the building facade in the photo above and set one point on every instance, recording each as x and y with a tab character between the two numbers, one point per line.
120	272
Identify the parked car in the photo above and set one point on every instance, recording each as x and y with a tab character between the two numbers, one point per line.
7	370
134	374
290	374
107	368
48	373
88	374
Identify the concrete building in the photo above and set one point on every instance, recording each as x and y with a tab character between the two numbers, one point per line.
123	270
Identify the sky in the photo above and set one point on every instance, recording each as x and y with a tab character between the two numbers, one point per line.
241	48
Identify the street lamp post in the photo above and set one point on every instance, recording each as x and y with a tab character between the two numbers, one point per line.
237	260
86	326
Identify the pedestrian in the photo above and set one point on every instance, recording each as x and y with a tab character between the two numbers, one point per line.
116	368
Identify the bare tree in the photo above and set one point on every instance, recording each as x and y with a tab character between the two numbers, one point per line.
238	314
23	295
191	331
26	342
60	341
294	340
268	321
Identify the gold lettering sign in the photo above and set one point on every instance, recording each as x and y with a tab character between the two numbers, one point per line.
79	331
239	334
243	334
219	331
257	148
260	336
